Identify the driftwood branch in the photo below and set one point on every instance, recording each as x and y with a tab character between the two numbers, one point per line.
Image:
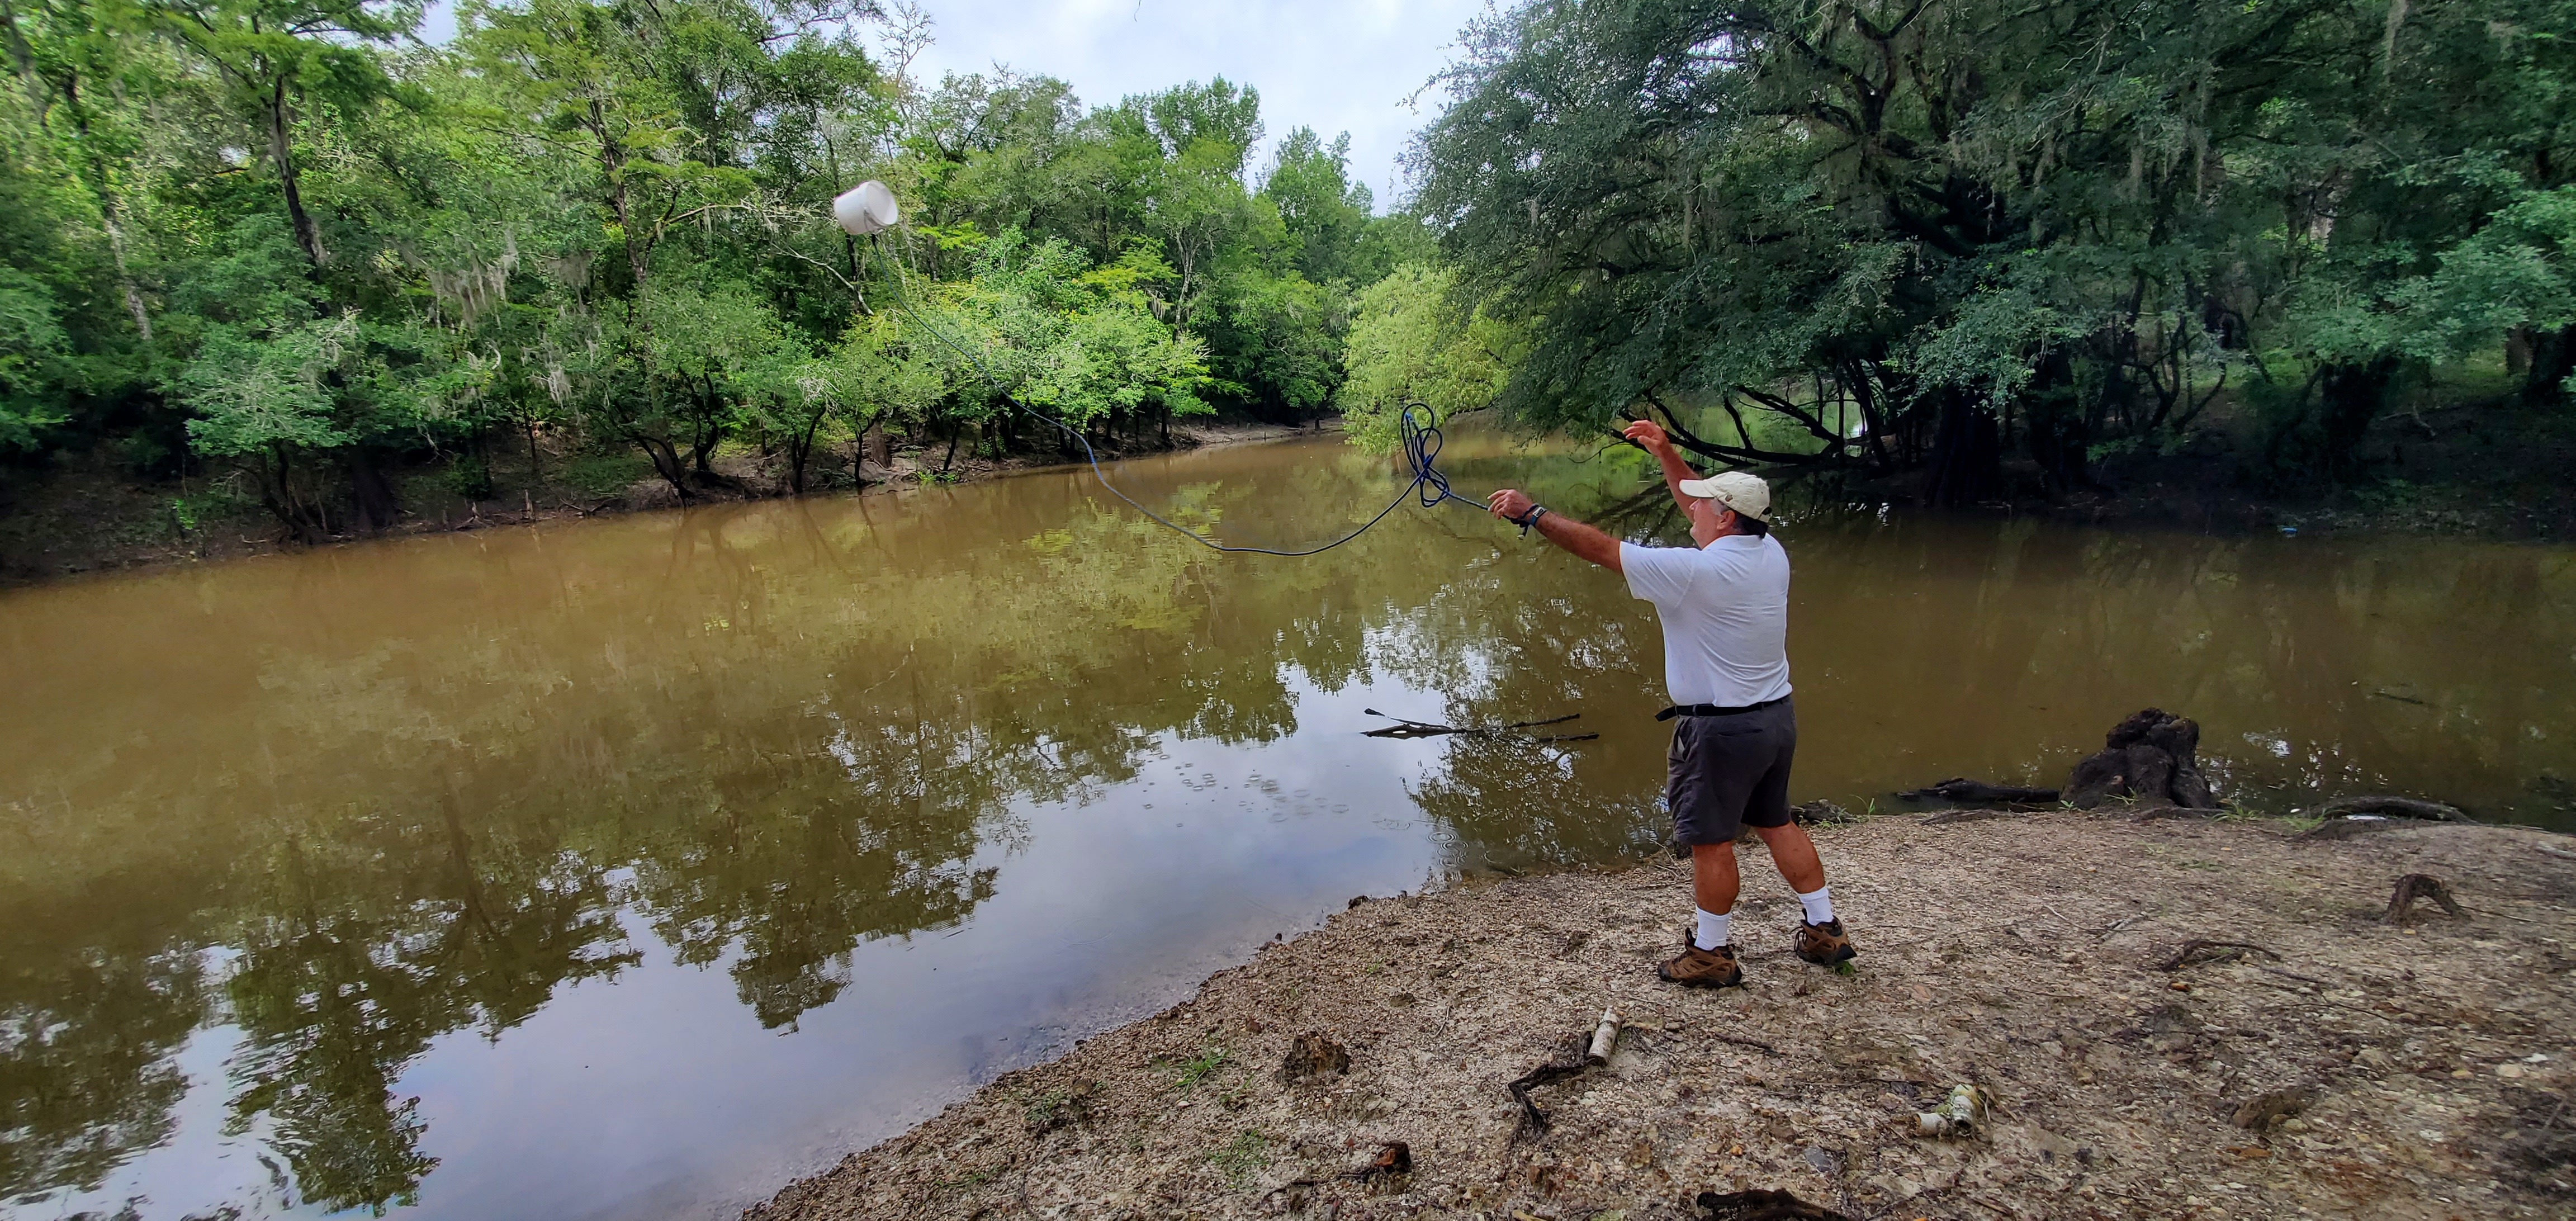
1427	729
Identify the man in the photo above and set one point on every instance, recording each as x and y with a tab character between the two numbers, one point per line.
1724	605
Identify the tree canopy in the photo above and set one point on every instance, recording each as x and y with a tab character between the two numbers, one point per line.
1909	232
284	244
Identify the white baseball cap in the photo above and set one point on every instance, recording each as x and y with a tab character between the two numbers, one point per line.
1741	491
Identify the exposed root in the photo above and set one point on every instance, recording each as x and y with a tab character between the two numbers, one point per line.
1760	1206
2394	807
2401	902
1959	816
1960	788
1569	1065
2194	953
2346	828
1393	1158
2260	1112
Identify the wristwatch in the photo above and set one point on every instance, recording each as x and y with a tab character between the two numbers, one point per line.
1530	518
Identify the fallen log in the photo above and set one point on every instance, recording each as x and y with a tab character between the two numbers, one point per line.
1960	788
2151	758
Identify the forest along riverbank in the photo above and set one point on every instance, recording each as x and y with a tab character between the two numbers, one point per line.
74	522
2178	1018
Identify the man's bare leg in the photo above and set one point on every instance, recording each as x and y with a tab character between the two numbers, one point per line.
1821	940
1794	853
1714	880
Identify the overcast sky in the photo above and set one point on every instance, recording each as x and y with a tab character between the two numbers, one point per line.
1333	65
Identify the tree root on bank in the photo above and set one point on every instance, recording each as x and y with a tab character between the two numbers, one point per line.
2401	902
2394	807
1960	816
1760	1206
1960	788
2194	953
2346	828
1569	1064
2350	816
2152	813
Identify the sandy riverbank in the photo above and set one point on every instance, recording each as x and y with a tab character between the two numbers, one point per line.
2023	954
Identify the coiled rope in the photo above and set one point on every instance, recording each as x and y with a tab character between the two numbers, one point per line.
1421	443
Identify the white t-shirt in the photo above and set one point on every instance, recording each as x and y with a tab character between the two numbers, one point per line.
1725	611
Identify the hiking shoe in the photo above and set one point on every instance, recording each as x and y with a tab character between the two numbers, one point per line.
1824	944
1698	968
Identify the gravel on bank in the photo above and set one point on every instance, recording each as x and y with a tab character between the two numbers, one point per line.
2380	1071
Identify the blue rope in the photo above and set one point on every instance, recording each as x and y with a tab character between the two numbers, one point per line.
1421	446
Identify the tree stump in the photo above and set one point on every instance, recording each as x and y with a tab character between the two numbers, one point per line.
2152	756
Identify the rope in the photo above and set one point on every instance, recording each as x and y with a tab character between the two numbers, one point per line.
1421	442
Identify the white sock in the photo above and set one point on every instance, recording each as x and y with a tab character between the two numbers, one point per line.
1712	929
1820	905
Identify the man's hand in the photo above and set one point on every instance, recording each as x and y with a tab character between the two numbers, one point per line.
1660	443
1514	505
1651	435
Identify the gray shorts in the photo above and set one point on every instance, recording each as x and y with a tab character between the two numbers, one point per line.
1726	773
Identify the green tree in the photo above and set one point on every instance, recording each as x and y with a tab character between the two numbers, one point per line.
1909	234
1408	345
274	56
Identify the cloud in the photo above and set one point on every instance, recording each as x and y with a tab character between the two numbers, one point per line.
1333	65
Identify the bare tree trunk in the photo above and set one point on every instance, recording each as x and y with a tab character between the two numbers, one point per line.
281	151
666	462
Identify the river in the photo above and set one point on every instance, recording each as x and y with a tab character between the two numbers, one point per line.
623	869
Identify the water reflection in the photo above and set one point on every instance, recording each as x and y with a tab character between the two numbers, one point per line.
364	812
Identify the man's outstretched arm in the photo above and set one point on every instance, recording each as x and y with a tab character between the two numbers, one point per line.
1659	443
1513	506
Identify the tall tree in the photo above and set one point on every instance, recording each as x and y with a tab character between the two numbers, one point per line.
275	56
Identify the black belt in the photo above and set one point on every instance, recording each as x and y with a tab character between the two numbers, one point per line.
1713	710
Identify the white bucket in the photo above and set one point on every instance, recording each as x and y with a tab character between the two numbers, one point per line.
866	208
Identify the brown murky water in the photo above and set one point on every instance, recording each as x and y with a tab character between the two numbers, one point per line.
623	869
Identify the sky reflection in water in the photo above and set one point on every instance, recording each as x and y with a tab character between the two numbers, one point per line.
625	868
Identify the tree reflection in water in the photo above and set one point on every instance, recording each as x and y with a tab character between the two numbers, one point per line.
351	802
